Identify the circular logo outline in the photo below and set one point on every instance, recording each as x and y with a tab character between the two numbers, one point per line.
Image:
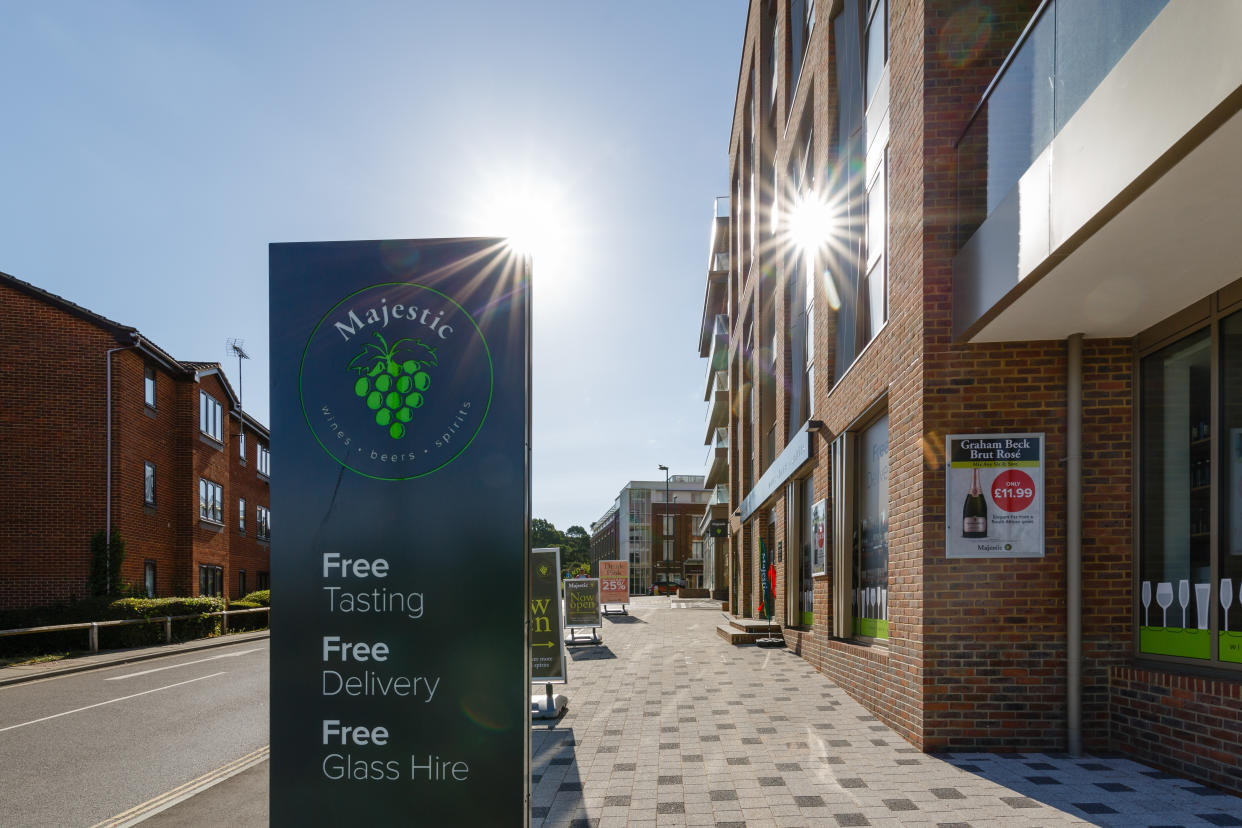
491	380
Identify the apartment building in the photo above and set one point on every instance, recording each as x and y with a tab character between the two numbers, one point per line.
980	289
654	525
103	429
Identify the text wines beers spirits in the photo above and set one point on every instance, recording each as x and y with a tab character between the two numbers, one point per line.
975	511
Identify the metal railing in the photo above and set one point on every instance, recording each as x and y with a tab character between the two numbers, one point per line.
93	626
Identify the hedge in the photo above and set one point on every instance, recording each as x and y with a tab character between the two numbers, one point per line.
108	609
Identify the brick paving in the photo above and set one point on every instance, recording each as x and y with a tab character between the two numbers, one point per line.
667	725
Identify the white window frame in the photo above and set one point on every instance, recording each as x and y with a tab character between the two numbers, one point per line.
210	501
209	416
148	483
263	523
148	386
241	515
265	460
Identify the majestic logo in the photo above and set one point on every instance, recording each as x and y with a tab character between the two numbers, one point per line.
396	381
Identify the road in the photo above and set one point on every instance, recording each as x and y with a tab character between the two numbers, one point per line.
81	749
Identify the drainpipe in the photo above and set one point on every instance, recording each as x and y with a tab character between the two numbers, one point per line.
1073	543
108	456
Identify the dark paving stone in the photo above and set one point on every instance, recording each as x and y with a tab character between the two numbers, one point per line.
669	729
669	780
622	800
953	825
670	745
726	726
612	732
765	730
1093	808
969	768
751	740
692	757
810	802
539	811
834	760
788	766
723	796
771	782
584	822
625	766
947	793
1204	790
1220	819
1019	802
570	786
562	760
1040	766
1043	780
1158	774
879	742
607	749
852	819
1114	787
670	807
852	782
839	742
1094	766
709	738
900	805
907	761
730	825
738	760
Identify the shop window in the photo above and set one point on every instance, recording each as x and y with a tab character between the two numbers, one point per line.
806	584
1189	599
860	530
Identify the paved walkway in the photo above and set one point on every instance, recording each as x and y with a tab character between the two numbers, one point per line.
669	725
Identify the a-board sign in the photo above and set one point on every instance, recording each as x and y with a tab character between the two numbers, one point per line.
994	496
614	582
400	413
547	641
582	607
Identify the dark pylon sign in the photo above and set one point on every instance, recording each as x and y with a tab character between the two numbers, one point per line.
400	416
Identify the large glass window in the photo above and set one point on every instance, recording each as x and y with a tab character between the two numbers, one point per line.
870	568
148	484
877	45
1189	601
210	500
806	584
263	522
210	580
873	292
209	416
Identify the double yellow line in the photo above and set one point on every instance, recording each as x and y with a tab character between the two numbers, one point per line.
181	793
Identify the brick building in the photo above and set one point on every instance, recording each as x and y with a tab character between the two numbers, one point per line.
653	525
1017	219
173	463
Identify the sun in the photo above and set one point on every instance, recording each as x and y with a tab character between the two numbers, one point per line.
532	214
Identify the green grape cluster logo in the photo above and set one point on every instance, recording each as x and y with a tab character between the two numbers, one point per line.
396	381
391	384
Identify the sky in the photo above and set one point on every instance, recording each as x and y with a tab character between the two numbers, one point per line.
150	151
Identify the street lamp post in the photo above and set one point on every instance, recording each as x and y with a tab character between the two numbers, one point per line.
664	523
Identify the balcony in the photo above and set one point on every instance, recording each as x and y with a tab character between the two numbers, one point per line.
1098	180
717	459
718	356
716	515
717	405
716	297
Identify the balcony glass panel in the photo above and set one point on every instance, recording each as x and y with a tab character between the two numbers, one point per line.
1064	56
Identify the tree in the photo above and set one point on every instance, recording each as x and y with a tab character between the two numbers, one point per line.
543	534
577	545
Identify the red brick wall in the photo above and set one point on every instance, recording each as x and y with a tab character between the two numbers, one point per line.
51	450
246	551
1191	726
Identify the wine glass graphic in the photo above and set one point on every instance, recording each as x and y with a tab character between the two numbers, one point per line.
1146	603
1226	598
1164	597
1203	594
1183	597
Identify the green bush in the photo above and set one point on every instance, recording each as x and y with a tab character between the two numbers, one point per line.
260	597
249	621
142	635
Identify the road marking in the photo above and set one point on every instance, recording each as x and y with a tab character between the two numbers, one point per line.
182	664
110	701
179	794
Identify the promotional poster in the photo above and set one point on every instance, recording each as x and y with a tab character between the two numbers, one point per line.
547	647
614	582
400	416
994	496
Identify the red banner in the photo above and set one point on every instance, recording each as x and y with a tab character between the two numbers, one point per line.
614	582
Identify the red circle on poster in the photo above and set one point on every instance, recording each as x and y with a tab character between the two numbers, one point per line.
1013	490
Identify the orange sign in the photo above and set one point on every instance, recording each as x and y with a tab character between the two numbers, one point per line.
614	582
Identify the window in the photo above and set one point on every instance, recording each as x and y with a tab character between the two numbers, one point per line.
241	444
668	551
241	515
265	461
241	582
877	45
148	578
210	580
860	530
873	292
148	484
209	416
635	557
263	520
1189	601
210	501
806	582
801	24
668	525
148	386
262	581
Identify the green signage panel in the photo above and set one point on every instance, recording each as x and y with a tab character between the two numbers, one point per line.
582	607
400	418
547	646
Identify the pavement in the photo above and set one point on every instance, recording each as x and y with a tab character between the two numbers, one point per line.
667	725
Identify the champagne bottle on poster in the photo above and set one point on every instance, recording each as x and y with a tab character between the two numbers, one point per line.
975	511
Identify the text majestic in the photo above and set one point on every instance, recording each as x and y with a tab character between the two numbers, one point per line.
384	314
